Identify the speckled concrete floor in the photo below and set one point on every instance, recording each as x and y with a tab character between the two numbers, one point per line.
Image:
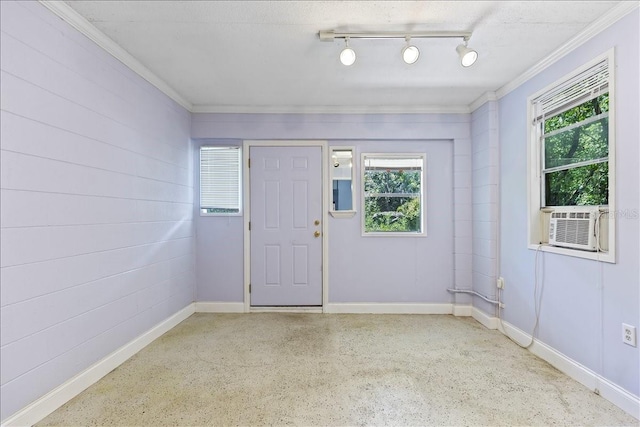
321	370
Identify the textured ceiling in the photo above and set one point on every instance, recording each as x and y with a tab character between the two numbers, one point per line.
266	55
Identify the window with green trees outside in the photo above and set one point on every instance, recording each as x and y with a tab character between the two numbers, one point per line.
393	193
576	155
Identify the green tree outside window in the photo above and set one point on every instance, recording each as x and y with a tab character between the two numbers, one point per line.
393	194
576	155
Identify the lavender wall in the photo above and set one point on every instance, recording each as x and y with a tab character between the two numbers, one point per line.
437	261
96	204
584	302
219	242
484	133
397	269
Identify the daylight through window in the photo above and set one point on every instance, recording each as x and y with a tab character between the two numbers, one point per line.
393	193
573	126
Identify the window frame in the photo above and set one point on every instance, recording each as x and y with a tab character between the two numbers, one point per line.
537	219
423	195
240	180
344	213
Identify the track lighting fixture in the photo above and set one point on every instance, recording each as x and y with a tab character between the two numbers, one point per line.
467	55
410	53
347	55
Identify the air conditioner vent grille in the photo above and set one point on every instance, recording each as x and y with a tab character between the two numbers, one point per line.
574	229
576	232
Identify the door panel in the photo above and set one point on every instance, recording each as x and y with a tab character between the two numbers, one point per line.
286	202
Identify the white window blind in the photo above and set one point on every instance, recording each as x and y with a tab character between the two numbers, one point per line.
582	87
220	179
395	164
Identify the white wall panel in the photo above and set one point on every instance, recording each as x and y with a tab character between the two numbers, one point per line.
484	264
462	179
462	147
35	244
485	230
58	112
31	137
164	211
463	245
162	171
30	173
484	193
150	189
18	97
31	280
461	163
96	214
485	178
464	278
37	209
40	70
461	195
463	228
484	213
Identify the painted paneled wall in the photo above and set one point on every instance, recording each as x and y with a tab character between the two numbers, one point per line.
397	269
437	262
96	204
584	303
219	245
484	134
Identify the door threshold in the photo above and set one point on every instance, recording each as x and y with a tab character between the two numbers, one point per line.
285	309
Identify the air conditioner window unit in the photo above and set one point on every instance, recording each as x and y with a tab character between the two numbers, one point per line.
574	228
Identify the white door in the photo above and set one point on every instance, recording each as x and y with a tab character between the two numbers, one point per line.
286	228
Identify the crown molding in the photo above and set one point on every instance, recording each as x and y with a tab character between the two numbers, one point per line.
605	21
73	18
481	100
331	109
77	21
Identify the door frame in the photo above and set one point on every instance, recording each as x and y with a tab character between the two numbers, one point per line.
246	201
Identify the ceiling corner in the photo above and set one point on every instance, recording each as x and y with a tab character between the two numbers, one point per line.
73	18
605	21
481	100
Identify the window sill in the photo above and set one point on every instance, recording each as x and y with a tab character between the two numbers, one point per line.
576	253
221	214
393	234
342	214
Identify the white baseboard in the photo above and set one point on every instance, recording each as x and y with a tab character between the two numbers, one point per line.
585	376
285	309
219	307
57	397
462	310
483	318
388	308
363	308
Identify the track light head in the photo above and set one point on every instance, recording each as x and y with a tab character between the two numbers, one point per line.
347	55
467	55
410	53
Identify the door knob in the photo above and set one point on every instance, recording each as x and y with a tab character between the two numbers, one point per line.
316	222
316	234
